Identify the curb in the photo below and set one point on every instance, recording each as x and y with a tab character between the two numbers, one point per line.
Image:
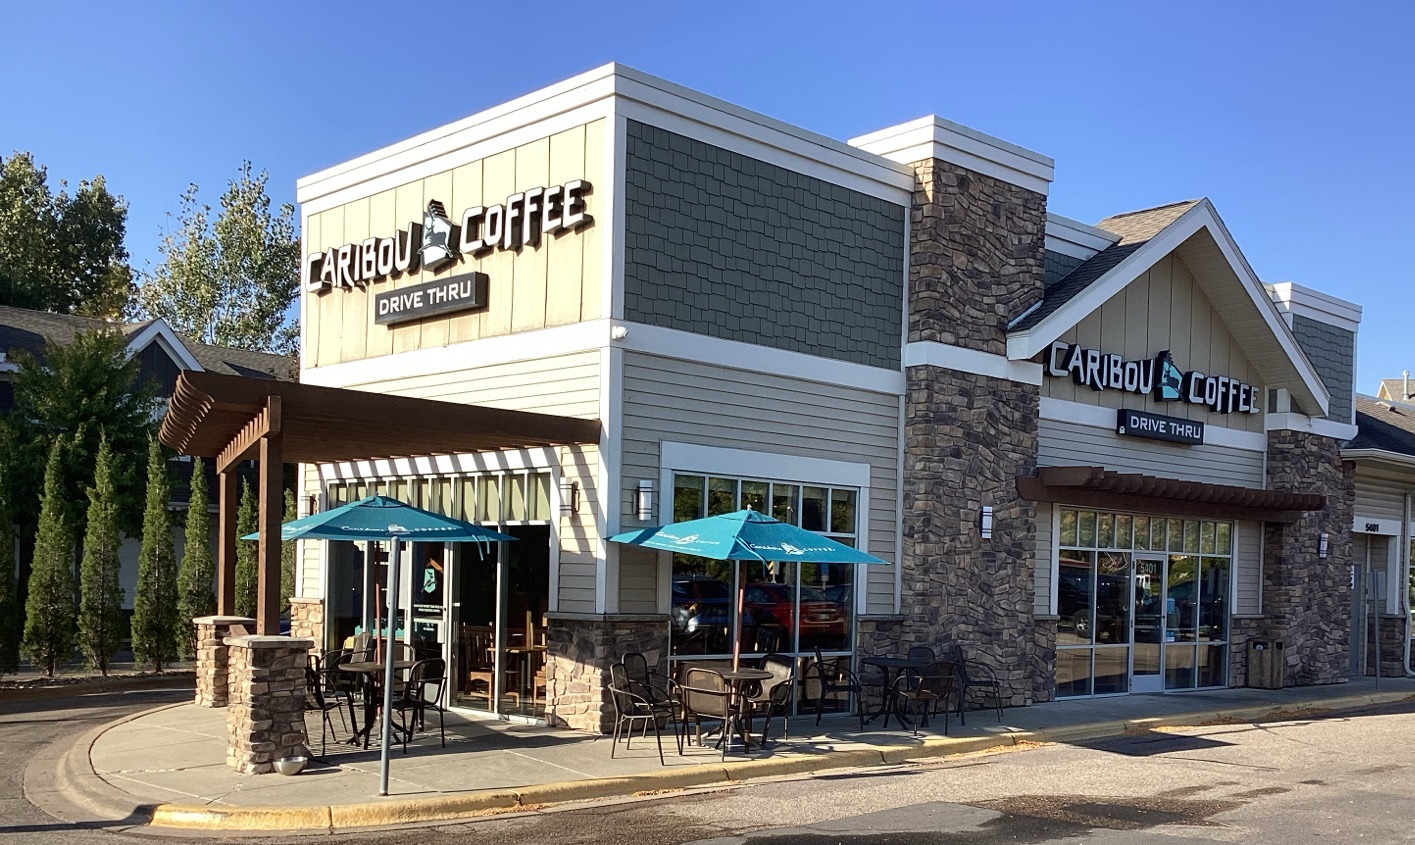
336	818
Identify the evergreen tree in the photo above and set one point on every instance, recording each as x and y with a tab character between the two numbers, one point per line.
49	610
100	597
194	585
247	556
11	621
155	606
287	555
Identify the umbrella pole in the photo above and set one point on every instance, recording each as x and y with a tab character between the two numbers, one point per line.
741	594
387	727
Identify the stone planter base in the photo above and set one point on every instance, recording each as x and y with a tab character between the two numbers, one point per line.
265	720
211	663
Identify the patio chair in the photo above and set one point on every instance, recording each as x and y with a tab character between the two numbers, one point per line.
933	685
773	697
655	687
835	680
706	695
924	654
972	675
315	700
423	691
632	709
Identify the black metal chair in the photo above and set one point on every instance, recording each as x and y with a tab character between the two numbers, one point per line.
427	679
633	709
706	695
972	675
930	687
837	680
340	685
921	652
656	687
772	697
316	700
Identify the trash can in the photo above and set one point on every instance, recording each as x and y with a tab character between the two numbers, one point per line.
1265	664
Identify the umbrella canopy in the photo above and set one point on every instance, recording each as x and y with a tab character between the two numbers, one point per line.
745	535
380	518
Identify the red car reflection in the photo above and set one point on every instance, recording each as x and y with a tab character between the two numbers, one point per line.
820	617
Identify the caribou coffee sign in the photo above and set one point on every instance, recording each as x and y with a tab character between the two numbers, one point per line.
1157	377
437	242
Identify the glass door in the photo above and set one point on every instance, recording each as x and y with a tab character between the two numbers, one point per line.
1146	667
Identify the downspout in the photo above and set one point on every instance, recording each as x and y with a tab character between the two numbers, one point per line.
1403	604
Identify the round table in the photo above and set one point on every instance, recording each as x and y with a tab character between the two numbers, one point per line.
371	672
889	703
736	678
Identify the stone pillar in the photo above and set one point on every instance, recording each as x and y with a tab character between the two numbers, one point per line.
579	652
307	621
211	664
976	261
1307	598
266	717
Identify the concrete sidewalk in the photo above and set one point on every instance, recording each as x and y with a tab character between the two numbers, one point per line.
173	759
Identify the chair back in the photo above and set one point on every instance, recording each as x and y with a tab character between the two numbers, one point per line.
921	652
952	652
636	668
426	680
936	680
619	692
827	683
363	648
783	674
705	693
314	684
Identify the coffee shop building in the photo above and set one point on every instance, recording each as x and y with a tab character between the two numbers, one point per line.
1104	459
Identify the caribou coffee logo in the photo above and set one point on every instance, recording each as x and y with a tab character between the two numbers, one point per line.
1159	378
436	242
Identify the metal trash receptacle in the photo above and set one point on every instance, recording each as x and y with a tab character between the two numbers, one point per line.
1277	667
1265	664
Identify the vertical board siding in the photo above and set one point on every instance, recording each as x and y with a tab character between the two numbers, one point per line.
1248	563
1074	444
690	402
1161	310
1045	553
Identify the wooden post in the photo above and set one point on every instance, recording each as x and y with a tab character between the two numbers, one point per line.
272	508
228	498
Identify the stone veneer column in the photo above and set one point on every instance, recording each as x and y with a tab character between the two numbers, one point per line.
579	652
1306	598
307	621
265	720
976	261
211	663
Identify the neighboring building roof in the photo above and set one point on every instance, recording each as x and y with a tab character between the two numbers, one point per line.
23	329
1384	426
1135	228
1394	389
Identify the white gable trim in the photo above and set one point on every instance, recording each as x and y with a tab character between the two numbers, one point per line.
159	331
1027	344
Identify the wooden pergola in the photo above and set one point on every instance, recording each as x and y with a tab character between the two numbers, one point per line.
233	418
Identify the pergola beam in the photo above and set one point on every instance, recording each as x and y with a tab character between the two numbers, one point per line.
272	508
227	501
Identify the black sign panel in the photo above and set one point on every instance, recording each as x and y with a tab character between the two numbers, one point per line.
429	299
1159	427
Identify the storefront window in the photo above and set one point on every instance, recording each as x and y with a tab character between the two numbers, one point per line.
1141	600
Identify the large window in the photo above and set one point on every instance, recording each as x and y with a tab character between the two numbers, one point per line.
1141	600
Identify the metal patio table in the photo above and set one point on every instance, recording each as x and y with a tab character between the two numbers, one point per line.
370	673
889	702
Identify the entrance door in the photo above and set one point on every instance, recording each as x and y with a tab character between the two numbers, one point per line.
1148	592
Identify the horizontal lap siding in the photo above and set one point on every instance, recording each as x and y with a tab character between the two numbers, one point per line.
1248	562
310	551
1046	550
638	580
1380	497
689	402
1074	444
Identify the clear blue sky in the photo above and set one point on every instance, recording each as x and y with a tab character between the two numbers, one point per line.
1295	118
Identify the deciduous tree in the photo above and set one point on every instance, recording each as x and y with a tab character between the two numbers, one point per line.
49	608
155	605
194	584
100	596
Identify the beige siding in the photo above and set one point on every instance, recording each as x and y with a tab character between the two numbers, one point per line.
579	533
308	553
1075	444
668	399
1046	552
1381	496
638	580
1162	310
554	283
1248	566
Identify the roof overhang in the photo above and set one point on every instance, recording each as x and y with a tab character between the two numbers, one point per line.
1201	240
1089	486
159	332
1379	456
224	417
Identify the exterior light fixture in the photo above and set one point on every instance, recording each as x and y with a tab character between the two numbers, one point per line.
569	497
643	501
1323	544
985	522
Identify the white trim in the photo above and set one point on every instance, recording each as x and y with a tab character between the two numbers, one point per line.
929	353
1027	344
1292	298
1053	601
467	463
774	466
611	272
1078	413
611	404
1383	527
933	137
1380	456
717	352
1314	425
1074	238
159	330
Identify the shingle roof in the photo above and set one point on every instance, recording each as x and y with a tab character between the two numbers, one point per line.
23	329
1394	388
1387	426
1135	229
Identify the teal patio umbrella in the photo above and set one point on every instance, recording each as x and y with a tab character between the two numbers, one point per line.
381	518
744	535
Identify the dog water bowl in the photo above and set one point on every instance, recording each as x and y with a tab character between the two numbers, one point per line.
291	765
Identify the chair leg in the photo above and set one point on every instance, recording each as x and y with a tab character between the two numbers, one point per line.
820	707
658	737
614	740
442	726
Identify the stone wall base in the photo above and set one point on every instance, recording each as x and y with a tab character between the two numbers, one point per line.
212	657
1392	646
579	652
307	622
266	717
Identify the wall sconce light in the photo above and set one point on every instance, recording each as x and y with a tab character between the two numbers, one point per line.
643	501
1323	544
569	497
985	522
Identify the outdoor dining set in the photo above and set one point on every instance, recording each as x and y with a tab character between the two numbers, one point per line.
908	689
349	680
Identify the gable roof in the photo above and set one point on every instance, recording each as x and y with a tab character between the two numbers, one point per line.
22	329
1384	426
1394	389
1193	231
